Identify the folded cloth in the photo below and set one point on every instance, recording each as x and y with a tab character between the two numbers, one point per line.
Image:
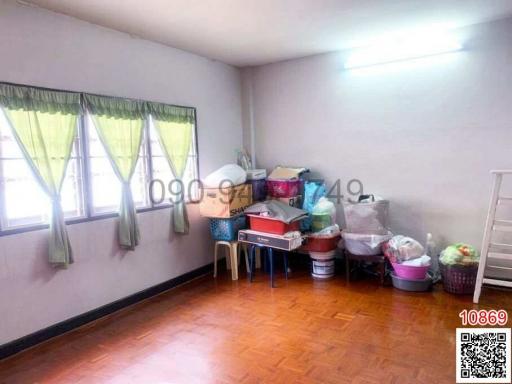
276	210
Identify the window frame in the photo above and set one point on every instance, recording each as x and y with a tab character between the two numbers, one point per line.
84	164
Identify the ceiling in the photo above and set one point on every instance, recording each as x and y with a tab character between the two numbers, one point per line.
253	32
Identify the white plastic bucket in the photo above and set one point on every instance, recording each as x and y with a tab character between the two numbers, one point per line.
322	264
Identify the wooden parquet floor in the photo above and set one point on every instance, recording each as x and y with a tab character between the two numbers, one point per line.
303	331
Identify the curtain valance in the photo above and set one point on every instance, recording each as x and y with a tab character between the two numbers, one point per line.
171	113
115	107
18	97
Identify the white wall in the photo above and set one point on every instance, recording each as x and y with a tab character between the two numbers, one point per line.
423	134
46	49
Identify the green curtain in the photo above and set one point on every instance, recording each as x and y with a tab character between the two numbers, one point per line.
44	124
119	123
175	128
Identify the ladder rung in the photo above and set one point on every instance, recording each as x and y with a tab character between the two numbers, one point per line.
503	222
500	267
501	228
504	200
500	255
501	283
502	171
499	247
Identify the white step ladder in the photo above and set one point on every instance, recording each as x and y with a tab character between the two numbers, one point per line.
494	251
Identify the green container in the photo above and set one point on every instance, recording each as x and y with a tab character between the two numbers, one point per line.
320	222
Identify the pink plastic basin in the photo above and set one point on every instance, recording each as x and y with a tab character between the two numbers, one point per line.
409	272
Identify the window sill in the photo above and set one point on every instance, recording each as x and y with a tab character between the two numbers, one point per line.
39	227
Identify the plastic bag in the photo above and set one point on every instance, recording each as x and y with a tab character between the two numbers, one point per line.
364	244
401	248
323	215
333	230
313	191
367	217
227	176
423	261
460	254
243	159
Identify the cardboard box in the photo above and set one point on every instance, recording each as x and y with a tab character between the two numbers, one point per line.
269	240
295	201
225	202
286	173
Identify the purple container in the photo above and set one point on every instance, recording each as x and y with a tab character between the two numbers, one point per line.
259	189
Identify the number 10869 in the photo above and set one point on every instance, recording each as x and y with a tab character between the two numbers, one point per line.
483	317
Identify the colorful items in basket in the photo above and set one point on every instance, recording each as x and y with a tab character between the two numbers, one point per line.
460	254
459	267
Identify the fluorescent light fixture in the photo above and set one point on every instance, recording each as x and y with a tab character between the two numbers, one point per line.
412	46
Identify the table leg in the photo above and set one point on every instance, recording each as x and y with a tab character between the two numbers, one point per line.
347	267
285	259
252	250
271	262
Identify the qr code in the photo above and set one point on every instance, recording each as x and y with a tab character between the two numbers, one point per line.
483	355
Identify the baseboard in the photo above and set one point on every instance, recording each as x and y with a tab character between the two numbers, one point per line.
35	338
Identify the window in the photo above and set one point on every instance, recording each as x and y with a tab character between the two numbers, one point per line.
162	171
22	201
105	187
90	187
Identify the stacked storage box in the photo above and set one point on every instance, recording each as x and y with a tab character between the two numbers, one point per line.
224	206
285	184
274	224
257	178
323	241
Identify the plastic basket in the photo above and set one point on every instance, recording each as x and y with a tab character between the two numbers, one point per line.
259	189
227	229
270	225
321	244
459	279
284	188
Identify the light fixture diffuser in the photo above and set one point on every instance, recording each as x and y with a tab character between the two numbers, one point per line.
403	48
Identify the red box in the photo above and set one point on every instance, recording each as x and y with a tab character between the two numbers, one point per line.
321	244
270	225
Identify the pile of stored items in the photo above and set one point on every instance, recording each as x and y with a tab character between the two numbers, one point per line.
247	206
272	221
275	222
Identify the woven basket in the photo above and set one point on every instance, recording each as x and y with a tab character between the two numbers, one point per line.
459	279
